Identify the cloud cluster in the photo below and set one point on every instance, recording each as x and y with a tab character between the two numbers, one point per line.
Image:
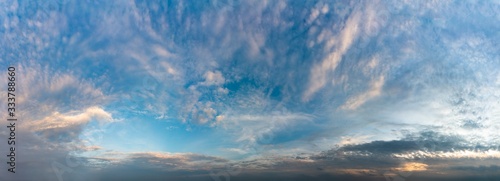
67	127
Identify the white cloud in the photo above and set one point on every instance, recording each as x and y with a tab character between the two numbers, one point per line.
162	51
168	68
222	91
213	78
351	140
314	14
202	113
219	118
254	128
458	154
375	17
374	91
325	9
54	87
320	72
58	121
370	66
235	150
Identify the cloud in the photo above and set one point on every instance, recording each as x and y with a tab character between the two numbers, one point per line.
264	128
483	168
203	113
320	72
230	67
375	159
61	121
213	78
427	141
374	91
375	17
412	166
56	89
68	126
160	162
173	161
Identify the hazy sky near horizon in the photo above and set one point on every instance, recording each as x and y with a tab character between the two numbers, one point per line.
253	90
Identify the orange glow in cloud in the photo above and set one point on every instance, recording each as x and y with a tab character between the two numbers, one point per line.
412	166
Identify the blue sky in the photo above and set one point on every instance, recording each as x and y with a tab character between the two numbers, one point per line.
185	90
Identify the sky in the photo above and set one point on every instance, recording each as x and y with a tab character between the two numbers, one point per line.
220	90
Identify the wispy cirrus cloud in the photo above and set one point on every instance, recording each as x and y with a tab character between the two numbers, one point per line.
322	71
374	91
